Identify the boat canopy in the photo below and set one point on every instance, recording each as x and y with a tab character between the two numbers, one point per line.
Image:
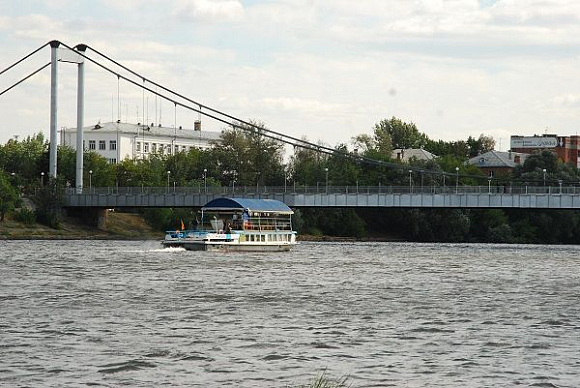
246	204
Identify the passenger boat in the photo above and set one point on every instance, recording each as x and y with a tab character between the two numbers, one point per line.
238	224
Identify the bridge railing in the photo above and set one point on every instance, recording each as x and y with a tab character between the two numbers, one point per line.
323	189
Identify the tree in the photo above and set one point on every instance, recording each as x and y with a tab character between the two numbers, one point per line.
480	145
245	154
9	198
400	134
306	166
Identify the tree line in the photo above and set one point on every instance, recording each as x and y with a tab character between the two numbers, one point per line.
245	156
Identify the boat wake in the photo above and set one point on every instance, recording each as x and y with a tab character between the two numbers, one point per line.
168	250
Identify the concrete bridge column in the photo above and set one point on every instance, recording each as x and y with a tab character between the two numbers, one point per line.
53	107
102	215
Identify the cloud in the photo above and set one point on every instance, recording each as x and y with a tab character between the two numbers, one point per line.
209	10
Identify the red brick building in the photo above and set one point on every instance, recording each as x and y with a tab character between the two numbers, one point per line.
565	147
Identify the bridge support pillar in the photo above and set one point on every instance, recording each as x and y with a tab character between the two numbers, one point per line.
53	107
81	48
102	216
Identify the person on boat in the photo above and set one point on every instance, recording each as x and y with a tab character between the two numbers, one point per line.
228	229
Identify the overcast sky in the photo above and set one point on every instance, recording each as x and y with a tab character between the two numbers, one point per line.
323	69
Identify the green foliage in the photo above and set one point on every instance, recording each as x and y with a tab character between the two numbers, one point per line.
48	201
26	216
163	219
306	167
9	197
399	134
248	157
500	234
24	158
332	222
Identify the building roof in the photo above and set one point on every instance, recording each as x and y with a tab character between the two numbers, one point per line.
408	153
498	159
137	129
255	205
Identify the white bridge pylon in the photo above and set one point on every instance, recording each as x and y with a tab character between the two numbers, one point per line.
58	54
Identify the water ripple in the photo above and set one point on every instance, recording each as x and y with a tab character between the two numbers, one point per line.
387	314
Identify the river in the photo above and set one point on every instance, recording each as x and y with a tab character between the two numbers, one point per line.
119	313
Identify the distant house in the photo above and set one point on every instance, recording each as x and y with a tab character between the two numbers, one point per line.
404	155
498	163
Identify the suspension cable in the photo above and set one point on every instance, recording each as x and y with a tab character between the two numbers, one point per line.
252	127
25	78
24	58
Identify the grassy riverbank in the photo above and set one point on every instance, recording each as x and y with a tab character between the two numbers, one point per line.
124	226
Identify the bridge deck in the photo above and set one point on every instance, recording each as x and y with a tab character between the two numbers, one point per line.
388	197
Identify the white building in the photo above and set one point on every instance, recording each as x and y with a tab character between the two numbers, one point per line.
119	141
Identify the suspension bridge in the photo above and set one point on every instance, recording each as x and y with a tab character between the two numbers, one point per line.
532	197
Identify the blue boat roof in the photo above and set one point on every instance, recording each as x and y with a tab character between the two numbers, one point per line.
257	205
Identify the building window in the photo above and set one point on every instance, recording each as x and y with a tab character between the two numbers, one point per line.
113	161
491	174
145	147
113	145
183	148
176	149
138	146
102	145
92	145
153	147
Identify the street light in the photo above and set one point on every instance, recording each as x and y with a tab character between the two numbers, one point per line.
42	179
205	180
234	182
544	171
489	186
560	183
410	181
168	173
456	179
90	180
326	171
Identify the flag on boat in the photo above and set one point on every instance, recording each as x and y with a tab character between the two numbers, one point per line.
182	226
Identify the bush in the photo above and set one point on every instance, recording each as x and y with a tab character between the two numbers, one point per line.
26	216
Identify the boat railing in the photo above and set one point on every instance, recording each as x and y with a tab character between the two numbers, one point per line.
268	224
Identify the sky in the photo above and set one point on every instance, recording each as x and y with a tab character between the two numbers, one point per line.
326	70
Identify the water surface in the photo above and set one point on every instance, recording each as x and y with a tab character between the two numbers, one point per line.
108	313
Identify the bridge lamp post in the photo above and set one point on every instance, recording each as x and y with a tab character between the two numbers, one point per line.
456	180
410	181
544	171
234	173
560	183
489	186
90	181
205	180
42	179
326	171
168	173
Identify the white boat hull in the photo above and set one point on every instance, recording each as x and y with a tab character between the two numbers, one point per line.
201	241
